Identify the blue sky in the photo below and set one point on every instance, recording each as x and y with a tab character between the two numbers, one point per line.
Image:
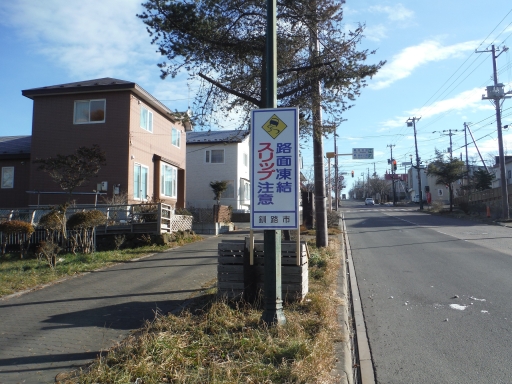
432	69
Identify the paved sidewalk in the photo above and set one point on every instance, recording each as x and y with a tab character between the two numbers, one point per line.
63	326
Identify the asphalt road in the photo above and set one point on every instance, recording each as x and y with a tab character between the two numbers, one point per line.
436	295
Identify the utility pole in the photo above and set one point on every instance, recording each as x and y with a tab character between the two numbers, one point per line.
450	149
368	181
451	146
392	172
336	190
329	192
467	159
495	94
411	122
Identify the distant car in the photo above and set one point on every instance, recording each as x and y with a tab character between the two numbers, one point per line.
369	201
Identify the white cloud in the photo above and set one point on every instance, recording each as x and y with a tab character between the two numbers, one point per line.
376	32
87	39
404	63
470	100
394	13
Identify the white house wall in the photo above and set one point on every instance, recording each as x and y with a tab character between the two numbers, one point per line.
243	172
200	173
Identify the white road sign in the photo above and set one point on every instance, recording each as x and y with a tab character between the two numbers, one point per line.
275	168
362	153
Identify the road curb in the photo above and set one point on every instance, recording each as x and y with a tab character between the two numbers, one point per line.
344	349
366	371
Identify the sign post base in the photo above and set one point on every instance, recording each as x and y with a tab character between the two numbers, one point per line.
273	313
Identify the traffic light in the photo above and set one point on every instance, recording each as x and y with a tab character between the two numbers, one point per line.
352	173
394	164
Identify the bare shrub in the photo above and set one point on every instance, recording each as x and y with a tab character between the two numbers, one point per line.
332	219
48	251
83	223
145	239
24	231
119	241
437	206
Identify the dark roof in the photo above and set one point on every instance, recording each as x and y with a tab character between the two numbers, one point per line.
232	136
95	85
12	147
105	84
497	160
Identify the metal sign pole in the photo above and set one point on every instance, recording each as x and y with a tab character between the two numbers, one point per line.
273	312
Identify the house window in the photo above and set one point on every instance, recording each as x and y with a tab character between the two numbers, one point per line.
245	190
176	137
168	180
140	182
89	111
246	159
215	156
229	193
7	177
146	119
509	174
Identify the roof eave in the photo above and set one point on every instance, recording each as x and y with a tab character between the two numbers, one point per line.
36	92
135	88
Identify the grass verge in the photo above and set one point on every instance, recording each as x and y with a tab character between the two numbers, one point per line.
20	274
215	341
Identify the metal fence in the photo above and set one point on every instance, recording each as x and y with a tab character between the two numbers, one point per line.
119	219
40	235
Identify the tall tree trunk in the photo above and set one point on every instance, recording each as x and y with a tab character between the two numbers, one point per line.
318	149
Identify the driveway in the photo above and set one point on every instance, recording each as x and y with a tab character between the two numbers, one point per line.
66	325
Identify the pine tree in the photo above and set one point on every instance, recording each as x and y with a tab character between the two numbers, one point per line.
223	43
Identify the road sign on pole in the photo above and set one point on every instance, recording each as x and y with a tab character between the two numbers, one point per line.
362	153
275	182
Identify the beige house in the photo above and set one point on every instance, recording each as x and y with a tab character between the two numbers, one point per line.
143	141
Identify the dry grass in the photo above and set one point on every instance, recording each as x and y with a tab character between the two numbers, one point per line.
215	341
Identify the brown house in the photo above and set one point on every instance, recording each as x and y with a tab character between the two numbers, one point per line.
143	141
15	171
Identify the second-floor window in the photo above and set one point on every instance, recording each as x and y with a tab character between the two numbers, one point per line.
176	137
89	111
146	119
215	156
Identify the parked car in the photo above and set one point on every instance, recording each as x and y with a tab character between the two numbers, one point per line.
369	201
